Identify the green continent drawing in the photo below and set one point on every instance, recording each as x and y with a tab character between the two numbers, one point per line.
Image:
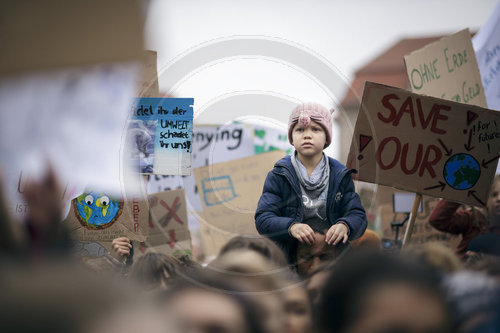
97	211
461	171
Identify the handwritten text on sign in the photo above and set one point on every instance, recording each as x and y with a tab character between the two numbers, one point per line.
426	145
162	135
448	69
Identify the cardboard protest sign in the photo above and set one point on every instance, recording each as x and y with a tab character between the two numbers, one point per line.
447	69
148	82
168	223
61	34
211	144
487	46
160	135
230	192
270	139
68	101
97	217
425	144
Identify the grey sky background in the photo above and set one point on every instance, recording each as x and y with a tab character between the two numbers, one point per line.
346	34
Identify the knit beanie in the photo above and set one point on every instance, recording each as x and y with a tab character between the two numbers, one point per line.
306	112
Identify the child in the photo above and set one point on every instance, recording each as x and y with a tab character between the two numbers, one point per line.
308	189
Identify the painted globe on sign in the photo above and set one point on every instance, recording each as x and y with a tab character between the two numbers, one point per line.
97	211
461	171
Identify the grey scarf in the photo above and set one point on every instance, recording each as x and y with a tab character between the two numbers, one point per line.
314	188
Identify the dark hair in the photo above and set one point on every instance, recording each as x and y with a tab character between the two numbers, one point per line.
186	261
218	283
150	269
262	245
340	250
352	279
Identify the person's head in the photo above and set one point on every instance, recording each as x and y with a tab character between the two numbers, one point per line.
310	128
474	298
298	309
155	271
494	201
260	244
373	293
435	255
485	263
316	283
369	241
60	297
259	277
206	301
309	257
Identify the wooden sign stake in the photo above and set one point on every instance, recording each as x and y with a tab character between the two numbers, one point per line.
411	222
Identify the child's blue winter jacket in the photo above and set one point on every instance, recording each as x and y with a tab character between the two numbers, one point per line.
281	204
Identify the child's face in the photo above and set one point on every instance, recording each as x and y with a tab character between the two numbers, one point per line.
494	200
309	141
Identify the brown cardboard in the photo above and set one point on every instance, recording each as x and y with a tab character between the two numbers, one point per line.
148	83
229	193
168	223
397	145
447	69
39	35
130	222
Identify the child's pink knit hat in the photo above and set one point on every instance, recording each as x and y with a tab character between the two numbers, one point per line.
306	112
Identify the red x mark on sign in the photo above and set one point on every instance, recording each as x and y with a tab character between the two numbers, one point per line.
171	212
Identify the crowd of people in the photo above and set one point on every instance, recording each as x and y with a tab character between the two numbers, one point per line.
314	268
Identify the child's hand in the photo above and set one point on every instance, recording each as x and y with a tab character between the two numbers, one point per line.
120	248
336	233
303	233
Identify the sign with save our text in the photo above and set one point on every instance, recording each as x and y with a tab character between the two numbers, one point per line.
425	144
448	69
159	138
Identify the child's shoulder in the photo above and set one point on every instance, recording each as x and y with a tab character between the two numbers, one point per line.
285	161
336	165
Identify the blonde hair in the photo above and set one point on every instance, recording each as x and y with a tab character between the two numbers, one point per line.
488	215
436	256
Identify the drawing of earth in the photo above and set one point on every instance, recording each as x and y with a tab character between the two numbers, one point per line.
96	211
461	171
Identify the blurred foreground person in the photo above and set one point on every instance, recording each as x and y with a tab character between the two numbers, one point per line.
41	235
373	293
298	308
155	271
316	284
61	298
436	256
487	264
475	300
208	302
260	279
